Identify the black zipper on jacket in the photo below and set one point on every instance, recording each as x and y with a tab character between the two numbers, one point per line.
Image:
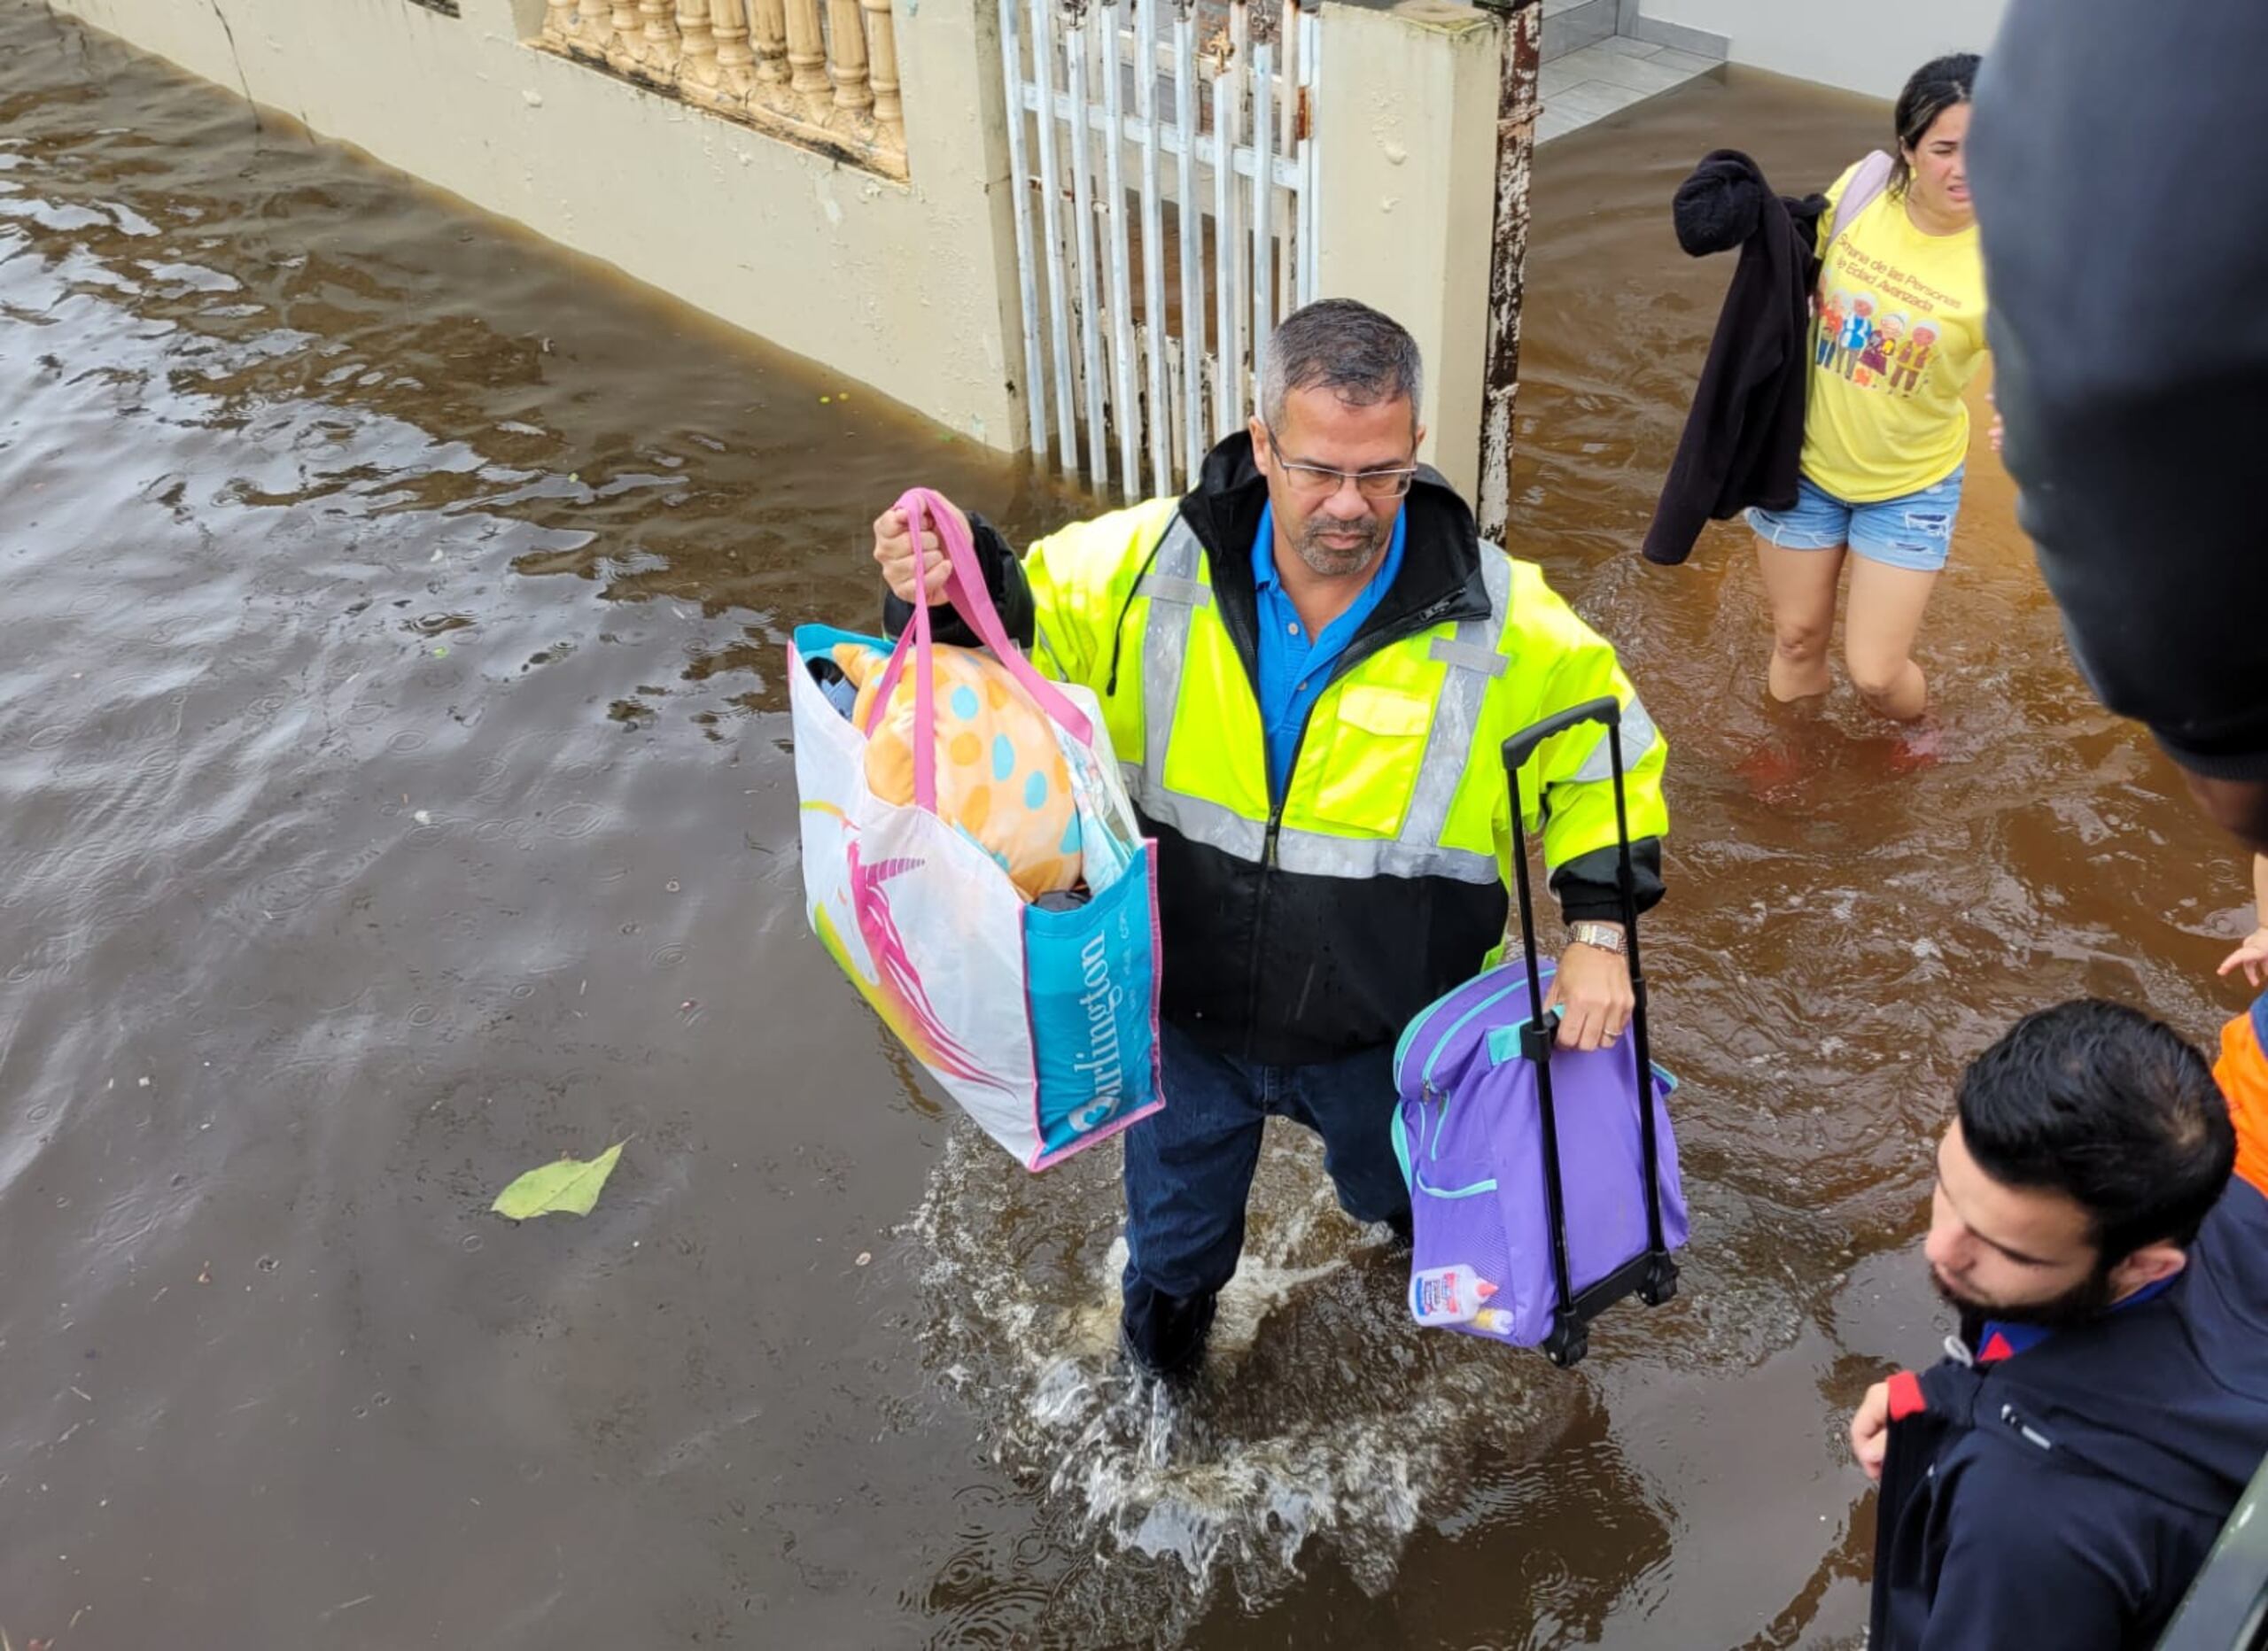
1363	646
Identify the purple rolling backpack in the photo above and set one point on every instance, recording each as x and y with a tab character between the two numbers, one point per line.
1542	1191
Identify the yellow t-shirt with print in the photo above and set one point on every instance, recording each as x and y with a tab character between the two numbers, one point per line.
1898	333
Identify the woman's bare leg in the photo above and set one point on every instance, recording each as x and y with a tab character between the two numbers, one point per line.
1799	586
1878	632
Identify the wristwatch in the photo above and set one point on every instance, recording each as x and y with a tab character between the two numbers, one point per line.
1605	936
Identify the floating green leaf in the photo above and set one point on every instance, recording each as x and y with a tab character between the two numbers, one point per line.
569	1187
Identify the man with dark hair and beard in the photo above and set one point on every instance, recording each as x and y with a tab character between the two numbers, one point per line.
2060	1476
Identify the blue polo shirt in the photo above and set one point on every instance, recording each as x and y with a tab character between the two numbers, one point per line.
1295	667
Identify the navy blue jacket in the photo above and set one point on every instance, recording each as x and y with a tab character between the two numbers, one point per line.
2065	1496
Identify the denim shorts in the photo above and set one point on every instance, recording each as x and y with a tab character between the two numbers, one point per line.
1913	531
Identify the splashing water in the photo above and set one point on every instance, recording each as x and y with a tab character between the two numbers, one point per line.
1323	1420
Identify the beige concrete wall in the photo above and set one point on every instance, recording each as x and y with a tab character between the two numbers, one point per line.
908	289
1864	46
1406	116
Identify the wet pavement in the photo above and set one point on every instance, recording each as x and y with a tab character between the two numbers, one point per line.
394	795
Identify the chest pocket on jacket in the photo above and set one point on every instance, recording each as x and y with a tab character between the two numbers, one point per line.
1378	742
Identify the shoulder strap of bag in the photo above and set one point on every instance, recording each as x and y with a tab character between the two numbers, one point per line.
1867	185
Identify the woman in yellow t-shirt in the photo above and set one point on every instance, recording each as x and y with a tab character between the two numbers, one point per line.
1898	331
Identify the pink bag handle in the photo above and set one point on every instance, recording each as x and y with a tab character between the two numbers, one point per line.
964	590
916	637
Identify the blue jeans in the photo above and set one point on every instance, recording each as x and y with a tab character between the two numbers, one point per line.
1189	1168
1914	530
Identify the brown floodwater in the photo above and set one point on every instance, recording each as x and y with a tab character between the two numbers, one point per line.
395	793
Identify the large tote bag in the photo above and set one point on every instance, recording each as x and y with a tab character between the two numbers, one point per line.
1041	1023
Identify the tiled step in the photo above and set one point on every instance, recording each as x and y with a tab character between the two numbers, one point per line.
1606	76
1570	25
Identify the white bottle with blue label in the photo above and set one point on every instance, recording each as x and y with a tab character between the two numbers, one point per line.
1447	1295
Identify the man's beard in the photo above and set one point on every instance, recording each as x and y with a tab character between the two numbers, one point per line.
1335	562
2082	1304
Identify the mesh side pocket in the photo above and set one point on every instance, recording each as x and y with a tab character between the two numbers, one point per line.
1458	1217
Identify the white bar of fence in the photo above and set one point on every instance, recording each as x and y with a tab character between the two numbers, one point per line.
1124	410
1288	105
1310	202
1288	37
1209	370
1263	202
1177	395
1083	205
1027	273
1051	194
1227	297
1158	420
1232	138
1191	220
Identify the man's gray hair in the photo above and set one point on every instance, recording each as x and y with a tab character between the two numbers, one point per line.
1347	347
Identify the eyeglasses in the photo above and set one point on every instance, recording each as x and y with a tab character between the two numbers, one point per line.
1320	482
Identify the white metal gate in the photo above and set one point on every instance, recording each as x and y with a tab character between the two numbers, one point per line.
1154	363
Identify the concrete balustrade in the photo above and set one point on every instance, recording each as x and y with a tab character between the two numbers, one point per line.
822	72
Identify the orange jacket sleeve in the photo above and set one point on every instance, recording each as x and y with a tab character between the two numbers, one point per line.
2242	1071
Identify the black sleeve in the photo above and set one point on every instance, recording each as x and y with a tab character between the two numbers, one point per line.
2130	344
1590	889
1004	582
1720	206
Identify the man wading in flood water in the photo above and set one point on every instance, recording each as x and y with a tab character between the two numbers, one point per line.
1316	662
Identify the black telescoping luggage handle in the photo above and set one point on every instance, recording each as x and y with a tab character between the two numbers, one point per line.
1651	1276
1607	711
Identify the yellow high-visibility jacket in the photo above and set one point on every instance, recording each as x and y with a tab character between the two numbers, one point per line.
1311	926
